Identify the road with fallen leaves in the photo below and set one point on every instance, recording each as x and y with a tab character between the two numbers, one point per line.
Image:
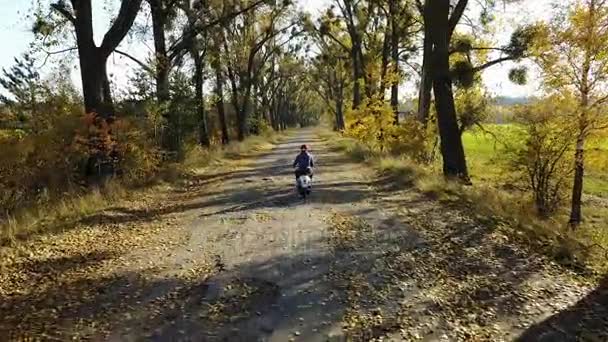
234	255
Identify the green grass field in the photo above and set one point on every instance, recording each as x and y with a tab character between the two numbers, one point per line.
487	161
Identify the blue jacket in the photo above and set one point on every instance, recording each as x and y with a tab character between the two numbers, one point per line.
303	161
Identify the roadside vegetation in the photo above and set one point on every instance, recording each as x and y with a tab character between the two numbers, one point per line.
69	152
499	195
541	170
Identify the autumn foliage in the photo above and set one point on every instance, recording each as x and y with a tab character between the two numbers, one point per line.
373	124
38	166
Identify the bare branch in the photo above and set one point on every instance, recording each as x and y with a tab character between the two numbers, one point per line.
60	51
140	63
121	26
51	53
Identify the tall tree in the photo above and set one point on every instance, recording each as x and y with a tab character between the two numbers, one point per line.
93	58
440	21
426	77
216	64
198	52
356	23
572	55
437	17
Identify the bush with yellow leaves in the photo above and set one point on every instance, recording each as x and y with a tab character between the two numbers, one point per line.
33	164
373	124
39	164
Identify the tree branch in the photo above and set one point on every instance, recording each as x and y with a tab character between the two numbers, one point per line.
491	63
122	25
455	17
61	9
60	51
183	41
50	53
141	64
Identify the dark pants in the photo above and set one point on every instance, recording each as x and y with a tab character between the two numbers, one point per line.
303	172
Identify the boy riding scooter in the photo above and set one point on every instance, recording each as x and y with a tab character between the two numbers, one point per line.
303	163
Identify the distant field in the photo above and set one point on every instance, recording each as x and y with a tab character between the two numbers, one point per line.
487	162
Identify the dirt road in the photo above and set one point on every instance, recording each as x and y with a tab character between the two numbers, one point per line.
238	257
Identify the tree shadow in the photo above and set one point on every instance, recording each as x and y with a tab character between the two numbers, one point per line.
265	189
475	279
65	264
305	290
587	320
246	303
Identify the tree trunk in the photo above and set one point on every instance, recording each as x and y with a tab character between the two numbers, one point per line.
395	60
271	113
386	53
426	79
452	150
576	215
242	126
160	49
362	69
200	99
356	78
276	111
97	96
243	113
95	83
339	115
577	189
219	103
107	92
171	138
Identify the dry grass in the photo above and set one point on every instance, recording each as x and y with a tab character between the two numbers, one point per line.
53	214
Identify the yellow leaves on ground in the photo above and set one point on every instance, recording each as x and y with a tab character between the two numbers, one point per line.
346	231
47	278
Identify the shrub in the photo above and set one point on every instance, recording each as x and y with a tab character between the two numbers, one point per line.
139	157
544	157
411	139
373	124
34	164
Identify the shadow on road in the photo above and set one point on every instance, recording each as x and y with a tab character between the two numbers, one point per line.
427	267
587	320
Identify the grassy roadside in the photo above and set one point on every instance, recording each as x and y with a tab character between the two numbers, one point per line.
482	150
510	209
54	215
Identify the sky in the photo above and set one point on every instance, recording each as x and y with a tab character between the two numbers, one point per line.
15	37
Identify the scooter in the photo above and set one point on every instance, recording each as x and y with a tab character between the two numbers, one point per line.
304	185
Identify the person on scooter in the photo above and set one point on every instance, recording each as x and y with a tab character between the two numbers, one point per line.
303	163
